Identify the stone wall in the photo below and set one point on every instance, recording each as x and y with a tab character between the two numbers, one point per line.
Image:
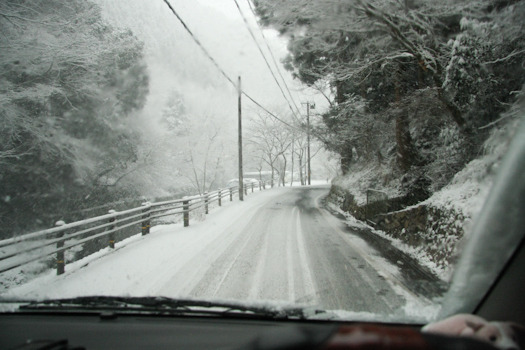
406	224
436	231
368	212
346	201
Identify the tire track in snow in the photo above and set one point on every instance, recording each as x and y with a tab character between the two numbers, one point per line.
290	263
305	267
217	266
259	271
194	277
372	258
233	262
343	278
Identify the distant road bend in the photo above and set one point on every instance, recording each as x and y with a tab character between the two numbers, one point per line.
281	245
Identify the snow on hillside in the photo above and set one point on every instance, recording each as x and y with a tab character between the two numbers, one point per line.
469	188
464	196
358	180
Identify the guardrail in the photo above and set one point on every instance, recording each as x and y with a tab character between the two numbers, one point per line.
18	251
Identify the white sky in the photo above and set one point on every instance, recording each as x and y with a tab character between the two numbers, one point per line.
226	7
176	62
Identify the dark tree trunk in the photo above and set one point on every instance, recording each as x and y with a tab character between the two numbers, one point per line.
346	159
406	155
301	170
340	92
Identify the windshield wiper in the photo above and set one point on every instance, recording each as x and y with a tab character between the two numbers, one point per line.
108	305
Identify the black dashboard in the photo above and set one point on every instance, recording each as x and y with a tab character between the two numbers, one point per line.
152	332
107	331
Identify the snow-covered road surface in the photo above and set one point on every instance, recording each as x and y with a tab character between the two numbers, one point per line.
279	245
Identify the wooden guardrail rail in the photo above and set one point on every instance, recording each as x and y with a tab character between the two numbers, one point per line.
24	249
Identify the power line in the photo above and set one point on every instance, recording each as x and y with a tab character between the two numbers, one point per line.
264	57
270	113
273	56
199	43
210	57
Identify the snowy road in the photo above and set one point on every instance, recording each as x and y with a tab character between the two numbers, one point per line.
279	245
289	250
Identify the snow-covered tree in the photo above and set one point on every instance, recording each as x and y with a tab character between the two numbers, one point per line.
174	114
204	156
270	141
390	56
69	84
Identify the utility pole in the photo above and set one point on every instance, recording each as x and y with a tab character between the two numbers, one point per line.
293	143
308	141
241	182
308	106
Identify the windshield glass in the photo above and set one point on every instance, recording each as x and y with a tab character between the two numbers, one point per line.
323	157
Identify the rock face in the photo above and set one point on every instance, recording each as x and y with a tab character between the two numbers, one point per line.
436	231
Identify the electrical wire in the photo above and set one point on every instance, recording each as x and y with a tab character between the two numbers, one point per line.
199	43
271	114
210	57
264	57
273	56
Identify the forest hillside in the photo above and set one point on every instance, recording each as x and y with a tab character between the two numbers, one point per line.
424	97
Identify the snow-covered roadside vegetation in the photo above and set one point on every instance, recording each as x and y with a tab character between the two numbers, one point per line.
105	104
449	212
424	96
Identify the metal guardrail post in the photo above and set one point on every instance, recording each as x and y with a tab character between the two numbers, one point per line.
146	223
112	227
220	197
205	202
245	190
60	259
186	212
231	194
